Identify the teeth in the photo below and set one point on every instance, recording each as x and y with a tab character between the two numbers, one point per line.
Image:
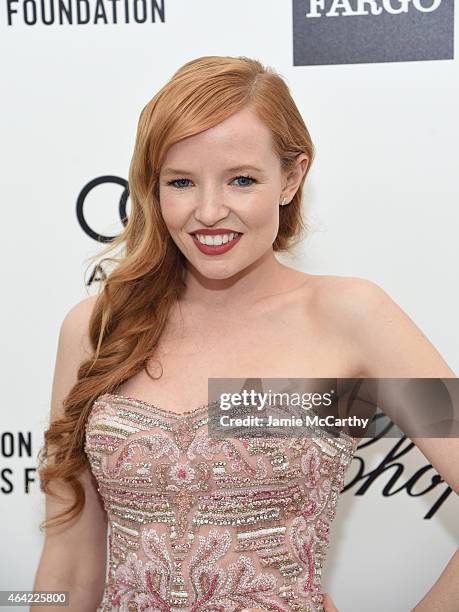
216	240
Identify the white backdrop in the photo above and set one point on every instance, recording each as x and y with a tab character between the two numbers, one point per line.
382	195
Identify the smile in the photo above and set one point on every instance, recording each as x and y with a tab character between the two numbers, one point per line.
216	244
216	240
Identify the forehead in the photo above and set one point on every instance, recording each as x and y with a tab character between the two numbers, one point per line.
241	134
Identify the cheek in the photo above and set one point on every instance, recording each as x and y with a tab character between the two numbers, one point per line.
171	213
263	217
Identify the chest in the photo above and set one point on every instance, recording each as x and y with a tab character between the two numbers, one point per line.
281	342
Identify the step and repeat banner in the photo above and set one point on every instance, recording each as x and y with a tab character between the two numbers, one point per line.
377	84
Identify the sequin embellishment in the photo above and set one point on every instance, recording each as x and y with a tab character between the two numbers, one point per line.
203	524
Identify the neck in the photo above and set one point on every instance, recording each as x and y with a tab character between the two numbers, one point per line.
260	279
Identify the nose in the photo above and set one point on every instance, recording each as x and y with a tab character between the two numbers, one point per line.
211	208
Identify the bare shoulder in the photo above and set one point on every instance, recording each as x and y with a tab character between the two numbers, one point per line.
74	347
344	299
75	324
386	339
80	311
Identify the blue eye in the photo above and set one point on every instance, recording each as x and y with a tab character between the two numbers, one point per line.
181	183
246	178
178	181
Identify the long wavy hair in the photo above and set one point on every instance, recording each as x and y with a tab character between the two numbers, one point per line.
134	300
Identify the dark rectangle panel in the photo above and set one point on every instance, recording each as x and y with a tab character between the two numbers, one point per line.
357	31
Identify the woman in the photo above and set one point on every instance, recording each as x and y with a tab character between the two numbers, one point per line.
216	183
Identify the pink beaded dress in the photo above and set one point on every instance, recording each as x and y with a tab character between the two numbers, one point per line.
200	524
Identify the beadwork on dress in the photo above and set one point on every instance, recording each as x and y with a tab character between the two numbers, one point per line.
204	524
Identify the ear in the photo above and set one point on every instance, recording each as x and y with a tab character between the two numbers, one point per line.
292	178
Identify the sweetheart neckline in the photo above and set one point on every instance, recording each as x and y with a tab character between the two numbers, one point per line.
127	399
153	407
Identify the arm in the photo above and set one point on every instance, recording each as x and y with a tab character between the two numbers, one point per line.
390	345
74	555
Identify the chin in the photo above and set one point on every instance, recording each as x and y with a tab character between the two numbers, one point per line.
213	271
219	274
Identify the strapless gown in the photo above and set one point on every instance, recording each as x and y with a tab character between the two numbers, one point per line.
203	524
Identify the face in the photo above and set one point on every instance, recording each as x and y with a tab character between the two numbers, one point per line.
227	179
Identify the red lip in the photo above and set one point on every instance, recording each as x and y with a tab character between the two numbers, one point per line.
216	250
214	232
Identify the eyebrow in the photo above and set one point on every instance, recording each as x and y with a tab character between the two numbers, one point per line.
234	169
